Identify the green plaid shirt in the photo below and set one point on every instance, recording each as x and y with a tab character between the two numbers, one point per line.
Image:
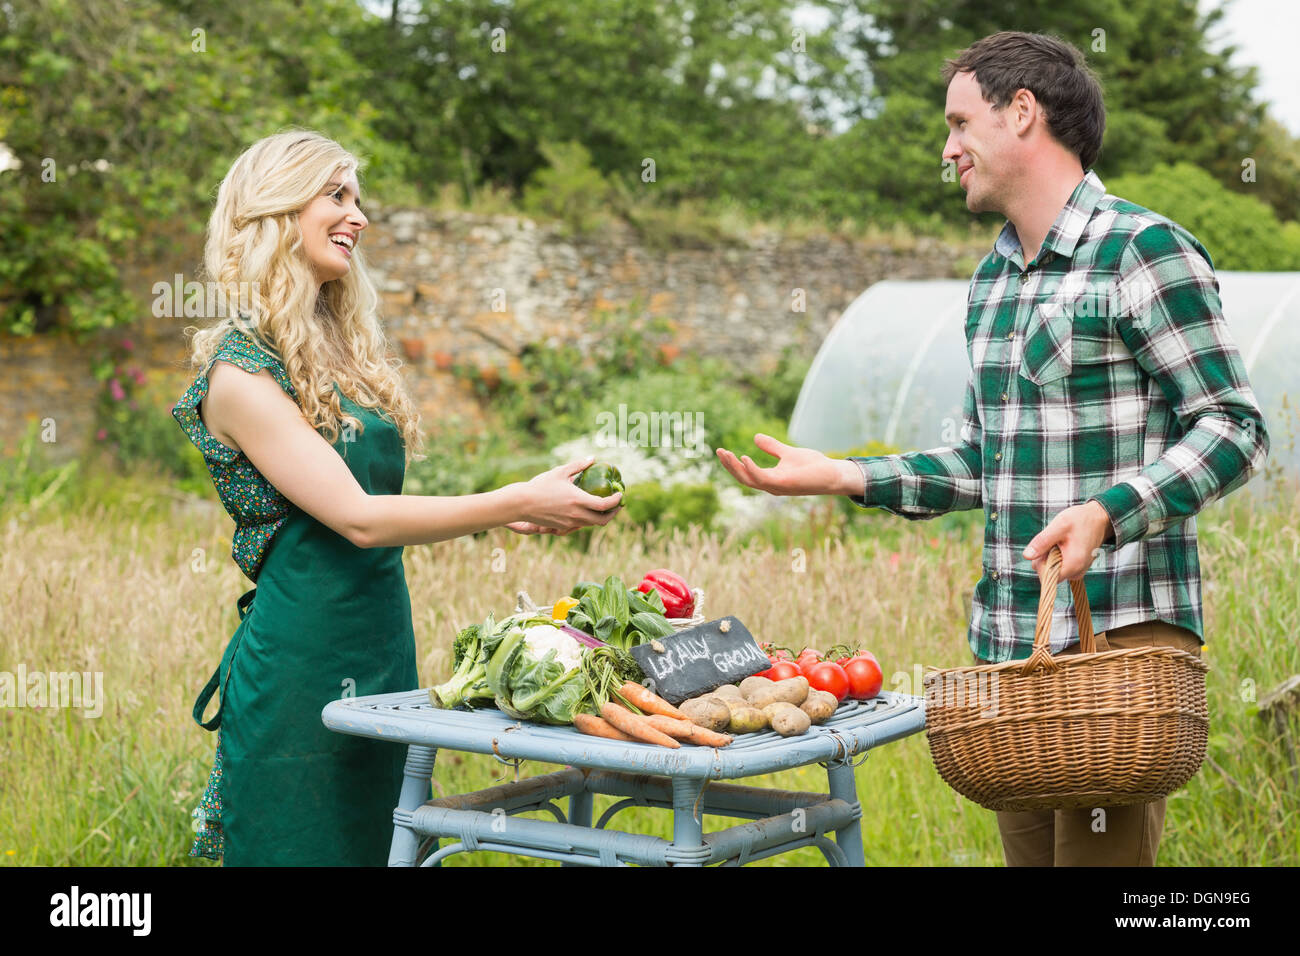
1102	371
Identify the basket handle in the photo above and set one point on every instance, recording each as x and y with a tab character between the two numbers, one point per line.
1050	577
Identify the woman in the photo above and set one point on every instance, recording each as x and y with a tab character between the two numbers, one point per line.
306	427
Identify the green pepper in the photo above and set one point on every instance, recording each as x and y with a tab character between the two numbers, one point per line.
600	479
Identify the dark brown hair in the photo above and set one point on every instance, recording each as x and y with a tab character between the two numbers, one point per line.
1050	68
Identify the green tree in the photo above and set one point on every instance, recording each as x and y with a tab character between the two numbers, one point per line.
687	98
125	116
1169	93
1271	170
888	168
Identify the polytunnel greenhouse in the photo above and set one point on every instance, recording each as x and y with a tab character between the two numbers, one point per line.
893	368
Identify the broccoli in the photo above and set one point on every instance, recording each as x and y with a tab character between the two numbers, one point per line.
469	682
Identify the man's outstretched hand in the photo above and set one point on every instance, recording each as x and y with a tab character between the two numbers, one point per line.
798	471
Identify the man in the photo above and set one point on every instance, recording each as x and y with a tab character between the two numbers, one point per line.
1107	403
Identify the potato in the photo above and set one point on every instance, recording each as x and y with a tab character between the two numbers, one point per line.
792	690
711	713
728	690
795	687
787	719
819	706
747	720
750	685
734	703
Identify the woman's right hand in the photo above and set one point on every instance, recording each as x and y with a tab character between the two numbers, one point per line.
554	503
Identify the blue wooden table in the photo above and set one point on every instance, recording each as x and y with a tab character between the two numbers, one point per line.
683	780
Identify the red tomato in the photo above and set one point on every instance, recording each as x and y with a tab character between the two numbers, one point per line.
780	670
865	677
775	654
867	654
830	677
806	659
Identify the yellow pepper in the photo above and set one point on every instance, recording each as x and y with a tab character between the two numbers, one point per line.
562	608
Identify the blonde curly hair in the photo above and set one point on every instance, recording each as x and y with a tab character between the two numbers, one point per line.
321	333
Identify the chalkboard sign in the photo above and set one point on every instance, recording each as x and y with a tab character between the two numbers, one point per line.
700	659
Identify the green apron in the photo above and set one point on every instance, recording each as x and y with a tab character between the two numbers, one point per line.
326	620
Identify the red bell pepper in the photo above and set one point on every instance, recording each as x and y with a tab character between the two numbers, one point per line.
677	596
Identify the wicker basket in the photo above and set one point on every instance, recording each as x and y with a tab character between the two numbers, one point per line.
523	603
1088	730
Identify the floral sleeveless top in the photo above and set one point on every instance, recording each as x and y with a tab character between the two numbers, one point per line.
258	509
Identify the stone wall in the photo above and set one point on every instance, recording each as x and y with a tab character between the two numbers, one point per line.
469	289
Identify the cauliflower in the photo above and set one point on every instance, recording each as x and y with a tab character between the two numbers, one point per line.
541	638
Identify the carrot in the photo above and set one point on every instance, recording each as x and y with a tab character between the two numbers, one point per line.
687	731
630	723
709	738
648	701
677	729
599	727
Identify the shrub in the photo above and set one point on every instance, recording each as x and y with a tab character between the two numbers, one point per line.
28	474
681	506
687	224
1240	232
570	189
133	421
777	392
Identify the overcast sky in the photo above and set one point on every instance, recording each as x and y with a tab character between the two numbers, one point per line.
1266	33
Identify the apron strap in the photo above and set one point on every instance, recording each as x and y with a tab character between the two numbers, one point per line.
245	600
201	703
215	681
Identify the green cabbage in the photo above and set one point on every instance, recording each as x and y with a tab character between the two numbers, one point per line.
528	687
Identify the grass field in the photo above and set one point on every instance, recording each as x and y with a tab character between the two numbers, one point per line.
132	580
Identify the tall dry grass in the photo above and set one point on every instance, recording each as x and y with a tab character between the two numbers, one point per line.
142	588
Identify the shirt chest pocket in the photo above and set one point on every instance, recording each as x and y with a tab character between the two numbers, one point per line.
1076	342
1048	355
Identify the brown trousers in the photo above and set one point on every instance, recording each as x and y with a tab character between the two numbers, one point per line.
1117	836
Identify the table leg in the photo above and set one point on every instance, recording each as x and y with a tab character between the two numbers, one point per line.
688	832
843	786
415	789
580	806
